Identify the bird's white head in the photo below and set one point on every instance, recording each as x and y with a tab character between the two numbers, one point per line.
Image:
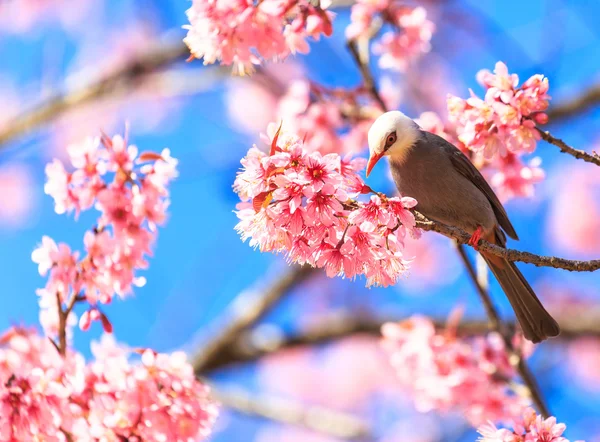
392	134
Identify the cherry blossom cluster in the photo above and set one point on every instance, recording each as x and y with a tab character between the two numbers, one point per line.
443	372
509	175
130	192
530	427
242	32
505	120
409	35
300	203
45	396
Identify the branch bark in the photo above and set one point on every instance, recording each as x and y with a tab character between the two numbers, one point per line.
575	105
252	345
593	157
159	56
244	312
463	237
320	419
496	324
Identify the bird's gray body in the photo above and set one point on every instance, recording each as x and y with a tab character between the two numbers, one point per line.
443	193
449	189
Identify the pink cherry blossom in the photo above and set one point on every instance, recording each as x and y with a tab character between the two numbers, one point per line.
443	372
409	37
529	427
130	192
45	396
504	121
300	203
242	32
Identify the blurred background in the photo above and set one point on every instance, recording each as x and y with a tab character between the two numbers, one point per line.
128	57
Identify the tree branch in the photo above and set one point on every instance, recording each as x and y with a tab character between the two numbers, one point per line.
365	72
159	56
252	345
578	104
320	419
243	312
495	323
463	237
593	157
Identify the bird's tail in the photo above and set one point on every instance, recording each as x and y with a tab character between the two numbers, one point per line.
536	322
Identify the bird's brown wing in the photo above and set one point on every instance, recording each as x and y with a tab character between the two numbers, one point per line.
464	166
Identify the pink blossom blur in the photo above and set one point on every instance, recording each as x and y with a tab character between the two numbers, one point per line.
44	396
242	33
409	35
130	192
574	215
443	372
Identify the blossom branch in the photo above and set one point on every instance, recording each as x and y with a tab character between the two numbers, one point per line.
496	324
512	255
252	345
130	73
316	418
575	105
365	72
593	157
243	313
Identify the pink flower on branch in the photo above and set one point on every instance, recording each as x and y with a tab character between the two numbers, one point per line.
242	33
508	174
444	372
300	203
529	427
504	121
409	37
130	192
45	396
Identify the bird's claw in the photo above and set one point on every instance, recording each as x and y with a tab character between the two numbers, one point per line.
474	240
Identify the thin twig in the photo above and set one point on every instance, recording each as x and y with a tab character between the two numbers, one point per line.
368	80
593	157
496	325
463	237
244	312
316	418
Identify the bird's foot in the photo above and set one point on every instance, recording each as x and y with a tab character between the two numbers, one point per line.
474	240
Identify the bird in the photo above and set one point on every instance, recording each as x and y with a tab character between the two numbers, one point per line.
451	190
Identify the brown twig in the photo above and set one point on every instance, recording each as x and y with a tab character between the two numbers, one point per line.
496	324
320	419
463	237
593	157
63	316
159	56
575	105
368	80
254	344
244	312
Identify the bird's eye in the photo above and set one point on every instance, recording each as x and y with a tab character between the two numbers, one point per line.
391	139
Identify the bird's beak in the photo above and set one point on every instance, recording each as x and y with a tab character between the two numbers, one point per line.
373	159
